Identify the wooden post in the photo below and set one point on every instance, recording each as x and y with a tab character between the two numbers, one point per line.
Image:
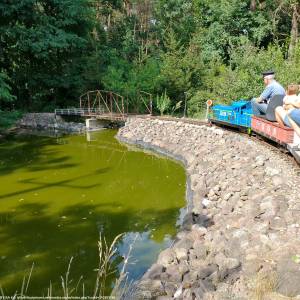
89	104
123	112
111	105
185	105
127	104
99	102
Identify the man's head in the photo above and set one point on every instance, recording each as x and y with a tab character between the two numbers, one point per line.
268	77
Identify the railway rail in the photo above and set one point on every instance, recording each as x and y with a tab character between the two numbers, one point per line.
294	157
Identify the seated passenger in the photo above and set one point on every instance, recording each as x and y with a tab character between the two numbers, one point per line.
260	104
290	101
294	119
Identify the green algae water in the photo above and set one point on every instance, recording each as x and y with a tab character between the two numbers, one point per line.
58	194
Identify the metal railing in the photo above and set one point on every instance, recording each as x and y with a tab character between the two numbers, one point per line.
79	111
106	105
110	102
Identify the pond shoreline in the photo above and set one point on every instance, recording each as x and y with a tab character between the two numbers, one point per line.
50	121
241	226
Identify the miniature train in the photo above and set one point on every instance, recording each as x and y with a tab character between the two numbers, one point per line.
239	115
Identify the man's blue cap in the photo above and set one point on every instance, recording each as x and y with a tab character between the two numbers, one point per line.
267	73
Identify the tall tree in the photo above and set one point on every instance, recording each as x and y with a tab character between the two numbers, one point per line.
42	43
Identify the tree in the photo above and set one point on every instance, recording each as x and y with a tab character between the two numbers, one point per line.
42	43
5	90
181	68
290	9
177	16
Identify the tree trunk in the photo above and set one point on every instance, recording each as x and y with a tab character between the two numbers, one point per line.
253	5
294	31
108	21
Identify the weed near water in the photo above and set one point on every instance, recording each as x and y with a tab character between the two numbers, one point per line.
122	288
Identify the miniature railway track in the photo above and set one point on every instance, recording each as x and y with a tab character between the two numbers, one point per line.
273	146
173	119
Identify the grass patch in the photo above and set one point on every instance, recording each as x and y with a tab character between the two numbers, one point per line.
265	283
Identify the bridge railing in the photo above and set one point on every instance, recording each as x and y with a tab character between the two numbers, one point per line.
78	111
109	105
106	101
147	100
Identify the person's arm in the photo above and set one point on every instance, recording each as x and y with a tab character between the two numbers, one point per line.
259	99
292	101
296	103
266	94
288	100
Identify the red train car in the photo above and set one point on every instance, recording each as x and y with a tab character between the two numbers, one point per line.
281	135
272	130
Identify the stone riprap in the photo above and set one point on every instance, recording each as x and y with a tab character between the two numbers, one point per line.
49	121
240	236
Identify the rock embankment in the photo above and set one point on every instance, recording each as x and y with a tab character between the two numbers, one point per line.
240	238
49	121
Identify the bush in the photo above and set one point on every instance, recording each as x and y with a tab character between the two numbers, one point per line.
9	118
242	79
163	103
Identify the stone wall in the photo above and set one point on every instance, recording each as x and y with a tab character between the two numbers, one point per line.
49	121
240	238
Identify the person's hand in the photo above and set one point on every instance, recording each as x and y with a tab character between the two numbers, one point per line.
258	100
288	107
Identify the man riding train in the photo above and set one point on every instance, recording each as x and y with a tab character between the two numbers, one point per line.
273	88
286	114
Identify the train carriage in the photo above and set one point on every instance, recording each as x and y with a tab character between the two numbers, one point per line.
239	115
272	131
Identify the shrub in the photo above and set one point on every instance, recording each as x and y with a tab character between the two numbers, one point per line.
163	102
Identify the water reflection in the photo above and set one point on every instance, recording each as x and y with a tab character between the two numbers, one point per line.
91	136
58	193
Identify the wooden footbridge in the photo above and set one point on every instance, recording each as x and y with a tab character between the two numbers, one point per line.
107	105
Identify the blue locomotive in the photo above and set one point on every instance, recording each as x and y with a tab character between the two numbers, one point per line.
239	113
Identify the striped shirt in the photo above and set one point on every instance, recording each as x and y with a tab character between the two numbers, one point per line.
272	89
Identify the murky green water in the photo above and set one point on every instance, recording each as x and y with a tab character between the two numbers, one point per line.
58	194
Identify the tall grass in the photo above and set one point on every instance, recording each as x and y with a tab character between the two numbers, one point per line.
123	289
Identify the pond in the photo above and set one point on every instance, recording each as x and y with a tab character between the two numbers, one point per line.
58	194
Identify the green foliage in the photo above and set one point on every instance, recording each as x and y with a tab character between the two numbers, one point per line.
296	258
53	51
177	16
242	78
5	89
223	22
41	41
163	102
181	67
176	107
9	118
